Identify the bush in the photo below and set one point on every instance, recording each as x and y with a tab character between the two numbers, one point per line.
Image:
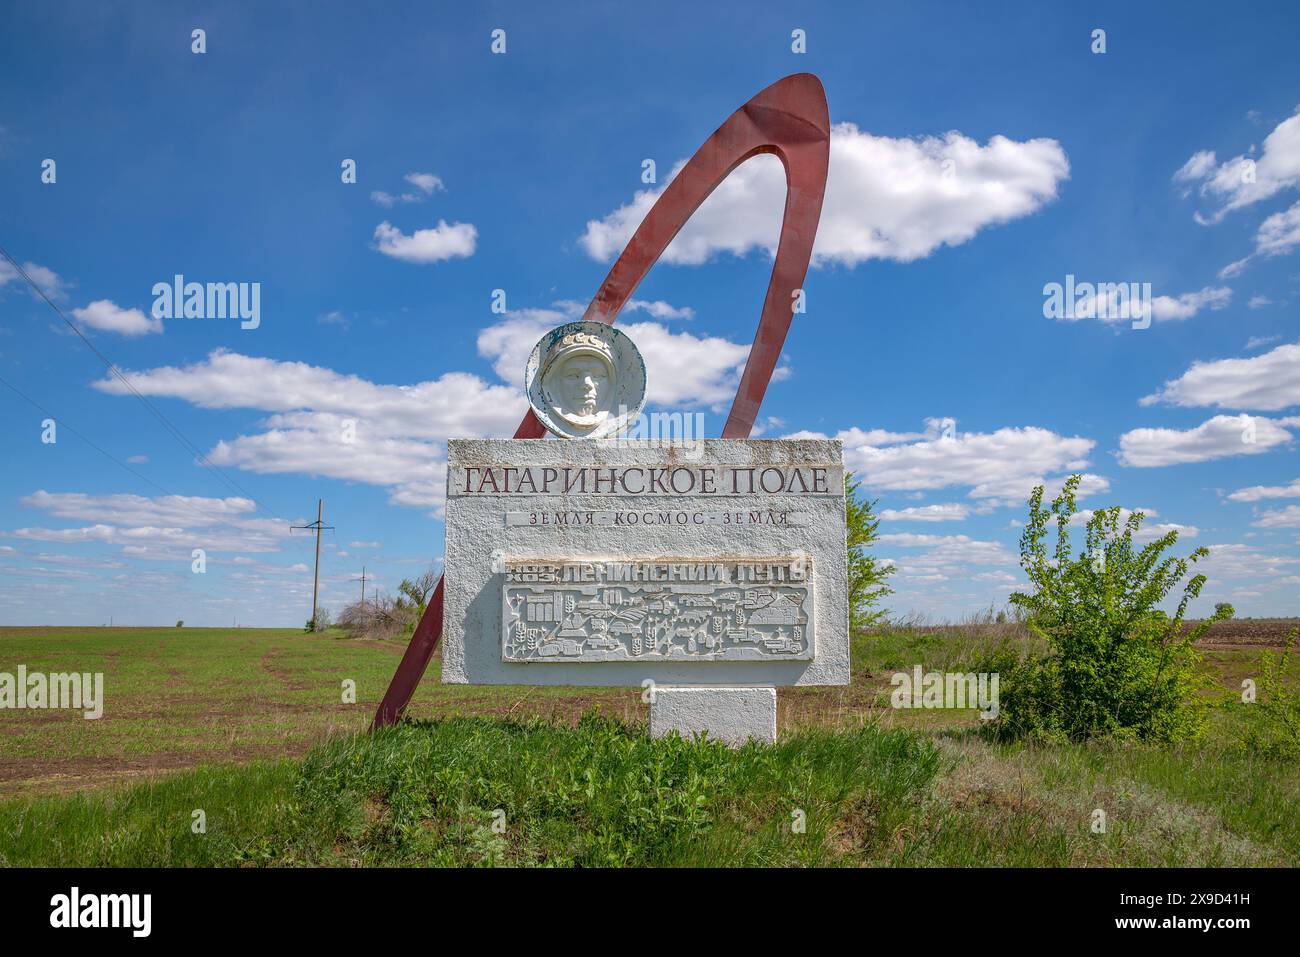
1116	665
1275	725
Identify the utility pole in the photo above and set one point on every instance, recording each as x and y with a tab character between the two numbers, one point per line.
317	525
363	589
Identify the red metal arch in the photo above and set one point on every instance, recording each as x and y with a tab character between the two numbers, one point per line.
788	119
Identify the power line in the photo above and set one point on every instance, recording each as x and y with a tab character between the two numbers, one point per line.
112	367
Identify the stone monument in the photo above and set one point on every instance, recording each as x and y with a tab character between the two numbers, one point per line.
707	572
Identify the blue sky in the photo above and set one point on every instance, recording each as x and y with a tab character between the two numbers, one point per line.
978	156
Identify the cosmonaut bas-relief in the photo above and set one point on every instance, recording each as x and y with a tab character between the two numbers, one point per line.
585	380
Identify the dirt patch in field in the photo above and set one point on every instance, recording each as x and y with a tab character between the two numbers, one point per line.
65	775
1248	633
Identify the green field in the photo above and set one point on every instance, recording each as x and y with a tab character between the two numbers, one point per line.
248	726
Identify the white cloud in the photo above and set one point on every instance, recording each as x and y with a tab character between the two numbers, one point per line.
444	241
1241	181
107	316
316	443
1199	166
456	403
47	280
1002	466
1216	438
886	198
1280	233
1259	302
168	526
946	555
1266	382
1244	561
947	512
339	426
1257	493
1277	236
425	183
1288	517
1189	303
658	309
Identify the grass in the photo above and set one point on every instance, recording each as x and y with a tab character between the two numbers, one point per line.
851	782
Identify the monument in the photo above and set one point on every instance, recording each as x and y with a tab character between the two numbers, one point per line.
708	575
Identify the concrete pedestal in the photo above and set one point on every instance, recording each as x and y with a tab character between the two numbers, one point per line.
731	715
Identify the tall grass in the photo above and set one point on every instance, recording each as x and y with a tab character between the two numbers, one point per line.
474	791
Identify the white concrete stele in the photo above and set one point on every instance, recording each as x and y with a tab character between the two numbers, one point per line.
713	569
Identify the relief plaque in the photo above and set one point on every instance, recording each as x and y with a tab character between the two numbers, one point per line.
665	609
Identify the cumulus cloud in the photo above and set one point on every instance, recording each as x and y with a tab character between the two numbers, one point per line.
340	426
1258	493
1267	382
1189	303
444	241
426	184
999	467
1220	437
1288	517
1242	180
946	512
167	526
1245	561
658	309
886	198
341	447
941	557
47	280
456	403
107	316
1279	233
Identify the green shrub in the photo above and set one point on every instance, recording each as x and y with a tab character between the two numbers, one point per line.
1274	728
867	586
1116	665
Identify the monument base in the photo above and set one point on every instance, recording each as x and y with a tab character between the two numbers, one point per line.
730	715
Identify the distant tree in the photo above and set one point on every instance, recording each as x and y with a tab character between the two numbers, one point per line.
180	624
867	574
1223	609
320	622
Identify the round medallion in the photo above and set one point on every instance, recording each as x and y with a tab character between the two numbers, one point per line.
585	380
